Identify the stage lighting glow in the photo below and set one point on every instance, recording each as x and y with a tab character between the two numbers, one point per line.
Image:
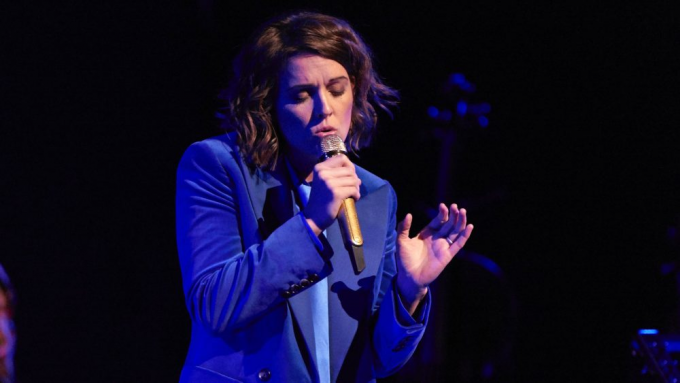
457	79
648	331
461	107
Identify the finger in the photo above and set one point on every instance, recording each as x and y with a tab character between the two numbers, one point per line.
345	192
460	240
461	222
341	182
358	195
329	173
448	226
440	219
338	161
345	161
404	227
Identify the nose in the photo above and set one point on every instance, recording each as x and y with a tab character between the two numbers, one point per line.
323	106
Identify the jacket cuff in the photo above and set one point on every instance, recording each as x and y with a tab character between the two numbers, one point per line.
315	239
403	317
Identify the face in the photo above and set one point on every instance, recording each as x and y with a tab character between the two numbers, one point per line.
314	100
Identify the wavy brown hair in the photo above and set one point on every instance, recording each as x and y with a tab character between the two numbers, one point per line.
251	95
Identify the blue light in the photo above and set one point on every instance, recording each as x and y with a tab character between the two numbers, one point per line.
484	108
483	121
432	112
648	331
461	108
456	79
672	346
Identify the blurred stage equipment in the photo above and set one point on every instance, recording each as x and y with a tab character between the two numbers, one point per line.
456	110
472	329
656	357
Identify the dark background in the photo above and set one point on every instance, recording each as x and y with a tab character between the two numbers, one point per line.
572	186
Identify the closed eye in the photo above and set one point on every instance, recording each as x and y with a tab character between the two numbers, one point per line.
300	96
337	92
338	86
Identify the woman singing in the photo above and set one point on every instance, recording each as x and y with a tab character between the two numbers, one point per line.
268	280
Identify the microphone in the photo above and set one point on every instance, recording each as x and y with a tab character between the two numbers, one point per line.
331	146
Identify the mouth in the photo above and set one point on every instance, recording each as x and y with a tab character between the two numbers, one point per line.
324	131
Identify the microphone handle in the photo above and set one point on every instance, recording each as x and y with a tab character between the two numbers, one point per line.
349	222
349	211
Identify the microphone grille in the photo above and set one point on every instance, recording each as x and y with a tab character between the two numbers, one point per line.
332	143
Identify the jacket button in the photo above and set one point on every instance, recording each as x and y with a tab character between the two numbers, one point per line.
313	278
286	294
294	288
304	283
264	375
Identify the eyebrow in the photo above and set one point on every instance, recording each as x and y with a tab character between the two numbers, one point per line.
330	82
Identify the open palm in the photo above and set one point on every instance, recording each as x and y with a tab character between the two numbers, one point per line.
422	258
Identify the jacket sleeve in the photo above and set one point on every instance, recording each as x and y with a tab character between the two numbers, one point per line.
226	285
395	333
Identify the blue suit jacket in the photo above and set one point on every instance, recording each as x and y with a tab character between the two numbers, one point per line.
247	260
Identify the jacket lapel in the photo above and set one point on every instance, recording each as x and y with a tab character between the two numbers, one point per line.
271	196
350	297
273	201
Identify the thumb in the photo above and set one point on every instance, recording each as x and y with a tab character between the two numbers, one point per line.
405	226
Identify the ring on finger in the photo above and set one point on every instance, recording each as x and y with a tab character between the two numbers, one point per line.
449	241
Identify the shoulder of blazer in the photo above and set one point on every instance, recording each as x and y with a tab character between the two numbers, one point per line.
225	148
369	181
223	144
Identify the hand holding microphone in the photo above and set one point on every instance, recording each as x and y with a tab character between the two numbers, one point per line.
335	187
